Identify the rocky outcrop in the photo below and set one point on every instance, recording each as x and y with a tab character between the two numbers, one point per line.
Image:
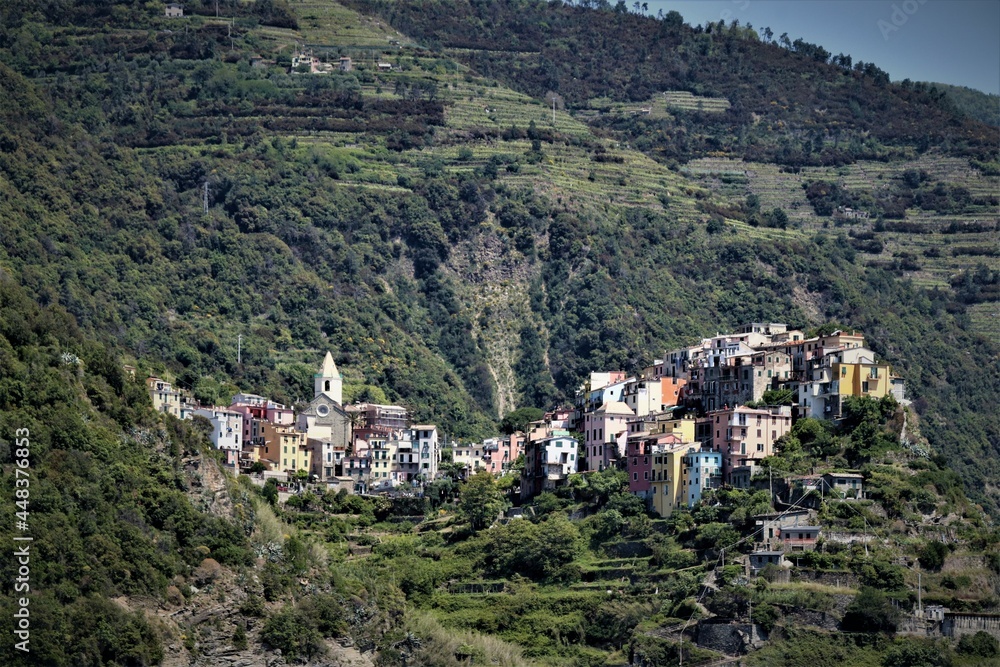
729	638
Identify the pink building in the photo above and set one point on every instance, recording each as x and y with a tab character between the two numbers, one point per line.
605	433
500	453
745	434
279	414
640	459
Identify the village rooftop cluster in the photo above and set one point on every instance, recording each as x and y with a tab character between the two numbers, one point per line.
642	424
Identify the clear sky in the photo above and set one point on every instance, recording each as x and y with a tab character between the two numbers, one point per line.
946	41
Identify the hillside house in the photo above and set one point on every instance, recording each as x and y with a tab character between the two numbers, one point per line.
173	10
377	416
742	476
285	448
227	432
771	525
837	373
666	488
761	559
427	445
605	431
799	538
642	396
327	459
702	470
846	484
164	397
641	453
548	463
743	434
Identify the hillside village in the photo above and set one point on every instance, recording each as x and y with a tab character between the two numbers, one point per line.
702	417
475	207
708	418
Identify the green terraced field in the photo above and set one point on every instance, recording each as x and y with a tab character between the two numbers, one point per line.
682	99
332	24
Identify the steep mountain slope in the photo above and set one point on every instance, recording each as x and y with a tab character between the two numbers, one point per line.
465	247
984	107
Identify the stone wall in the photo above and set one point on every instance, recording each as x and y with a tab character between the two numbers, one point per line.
807	617
838	579
956	625
729	638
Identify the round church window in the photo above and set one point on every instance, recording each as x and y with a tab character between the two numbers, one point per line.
323	410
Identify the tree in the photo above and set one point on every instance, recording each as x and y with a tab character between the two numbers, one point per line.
627	504
980	644
910	654
519	419
716	536
932	555
270	492
778	397
480	501
870	611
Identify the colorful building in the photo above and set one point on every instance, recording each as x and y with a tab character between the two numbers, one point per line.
702	470
605	432
743	434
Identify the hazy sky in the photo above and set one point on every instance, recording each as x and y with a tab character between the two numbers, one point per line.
947	41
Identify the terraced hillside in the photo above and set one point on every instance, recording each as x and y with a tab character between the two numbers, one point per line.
419	217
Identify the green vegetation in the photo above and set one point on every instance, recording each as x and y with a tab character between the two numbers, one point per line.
466	254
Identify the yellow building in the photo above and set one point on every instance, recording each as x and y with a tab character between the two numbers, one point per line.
679	427
667	474
286	448
164	397
862	379
385	467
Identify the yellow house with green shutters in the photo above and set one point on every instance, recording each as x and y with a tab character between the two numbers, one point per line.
666	485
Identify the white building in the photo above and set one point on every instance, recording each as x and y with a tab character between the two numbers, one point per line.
702	470
227	431
329	381
425	437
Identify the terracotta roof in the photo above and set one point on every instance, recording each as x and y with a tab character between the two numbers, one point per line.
615	408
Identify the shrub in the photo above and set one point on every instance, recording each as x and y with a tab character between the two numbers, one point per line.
981	644
627	504
932	555
294	633
870	611
910	654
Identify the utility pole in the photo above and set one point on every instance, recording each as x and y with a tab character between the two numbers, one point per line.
239	349
553	111
920	606
204	197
